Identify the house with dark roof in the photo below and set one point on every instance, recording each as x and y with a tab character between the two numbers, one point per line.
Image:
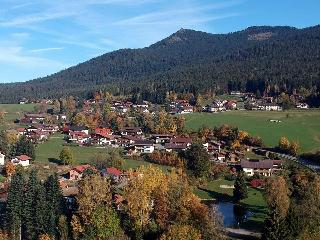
261	167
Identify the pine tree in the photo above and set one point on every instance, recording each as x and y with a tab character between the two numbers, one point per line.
15	205
29	206
198	160
41	211
240	190
55	203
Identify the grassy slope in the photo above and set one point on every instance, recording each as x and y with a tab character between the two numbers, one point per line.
50	150
14	111
255	201
303	126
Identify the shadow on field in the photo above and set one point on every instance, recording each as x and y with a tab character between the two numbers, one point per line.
54	160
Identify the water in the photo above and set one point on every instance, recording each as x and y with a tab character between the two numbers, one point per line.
233	214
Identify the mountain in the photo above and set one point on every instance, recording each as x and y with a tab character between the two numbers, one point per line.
190	61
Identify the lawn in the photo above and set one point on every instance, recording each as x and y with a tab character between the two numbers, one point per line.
49	152
300	125
255	202
14	111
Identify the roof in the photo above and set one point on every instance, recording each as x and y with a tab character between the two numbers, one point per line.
263	164
131	129
81	168
105	132
181	140
175	146
23	157
113	171
143	142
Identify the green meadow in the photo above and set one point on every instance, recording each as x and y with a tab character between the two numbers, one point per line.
299	125
49	152
14	111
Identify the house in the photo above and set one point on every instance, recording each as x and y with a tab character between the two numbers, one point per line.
182	140
269	107
103	136
76	173
133	131
143	146
79	137
169	147
230	105
112	172
34	117
186	109
302	105
2	157
22	160
79	129
161	138
261	167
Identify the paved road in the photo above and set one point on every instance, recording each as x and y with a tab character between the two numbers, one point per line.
300	160
242	233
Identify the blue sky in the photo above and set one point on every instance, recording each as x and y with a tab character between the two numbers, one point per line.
41	37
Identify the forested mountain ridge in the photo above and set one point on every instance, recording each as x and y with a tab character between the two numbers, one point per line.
190	61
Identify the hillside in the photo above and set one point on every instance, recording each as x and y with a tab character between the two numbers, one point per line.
190	61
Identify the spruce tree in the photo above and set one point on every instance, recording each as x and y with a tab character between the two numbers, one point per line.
41	211
55	203
15	205
29	206
240	190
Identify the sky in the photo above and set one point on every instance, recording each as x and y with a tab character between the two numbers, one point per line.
41	37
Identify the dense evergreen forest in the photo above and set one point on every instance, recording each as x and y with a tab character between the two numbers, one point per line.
191	61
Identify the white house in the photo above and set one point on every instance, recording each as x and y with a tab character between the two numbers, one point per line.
2	156
22	160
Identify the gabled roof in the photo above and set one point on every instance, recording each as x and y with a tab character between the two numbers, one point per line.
23	157
114	171
82	168
263	164
181	140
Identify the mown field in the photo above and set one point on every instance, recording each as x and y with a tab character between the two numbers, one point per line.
300	125
49	152
14	111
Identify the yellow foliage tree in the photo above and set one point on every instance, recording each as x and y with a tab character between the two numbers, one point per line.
181	232
139	193
284	144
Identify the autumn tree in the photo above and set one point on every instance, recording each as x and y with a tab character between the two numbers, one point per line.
9	169
182	232
63	228
277	197
284	144
294	148
95	217
204	133
66	156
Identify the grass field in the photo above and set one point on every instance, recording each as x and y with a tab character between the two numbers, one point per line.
14	111
49	152
255	202
300	125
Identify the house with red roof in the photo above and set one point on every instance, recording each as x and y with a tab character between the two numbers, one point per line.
22	160
103	136
76	173
112	172
79	137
